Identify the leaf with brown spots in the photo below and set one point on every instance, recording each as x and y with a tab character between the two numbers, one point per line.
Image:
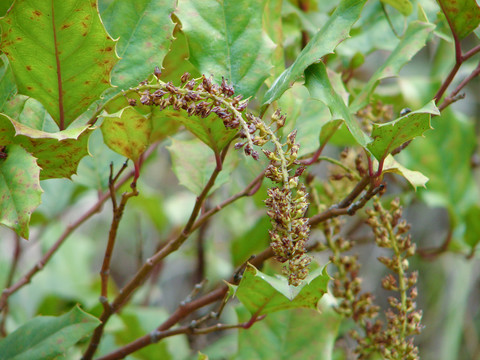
54	50
58	154
20	191
463	16
127	132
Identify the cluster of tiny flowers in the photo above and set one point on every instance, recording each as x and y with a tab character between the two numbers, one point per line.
403	319
287	204
354	303
202	97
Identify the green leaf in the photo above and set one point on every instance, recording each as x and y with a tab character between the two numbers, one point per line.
20	191
4	6
144	31
472	230
388	136
462	15
324	42
403	6
412	42
127	132
272	23
288	335
8	88
264	294
210	130
226	38
193	163
60	54
415	178
58	154
319	86
46	337
251	242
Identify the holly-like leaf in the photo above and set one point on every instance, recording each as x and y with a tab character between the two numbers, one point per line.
226	38
46	337
320	88
263	294
58	154
403	6
127	132
193	163
463	16
288	334
415	178
412	42
335	30
388	136
60	54
20	191
144	31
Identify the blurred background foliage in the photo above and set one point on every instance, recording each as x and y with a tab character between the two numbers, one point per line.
445	216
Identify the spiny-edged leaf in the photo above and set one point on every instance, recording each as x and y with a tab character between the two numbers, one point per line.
131	129
324	42
226	38
127	132
58	154
415	178
263	294
60	54
193	163
20	190
412	42
288	334
463	15
46	337
388	136
403	6
144	29
7	82
319	86
472	228
175	64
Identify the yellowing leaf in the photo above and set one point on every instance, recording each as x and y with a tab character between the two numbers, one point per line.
60	54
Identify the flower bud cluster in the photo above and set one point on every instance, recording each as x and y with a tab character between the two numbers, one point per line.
203	97
353	302
403	319
286	203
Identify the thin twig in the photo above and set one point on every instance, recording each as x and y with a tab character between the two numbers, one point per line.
13	267
141	275
27	278
117	217
454	96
